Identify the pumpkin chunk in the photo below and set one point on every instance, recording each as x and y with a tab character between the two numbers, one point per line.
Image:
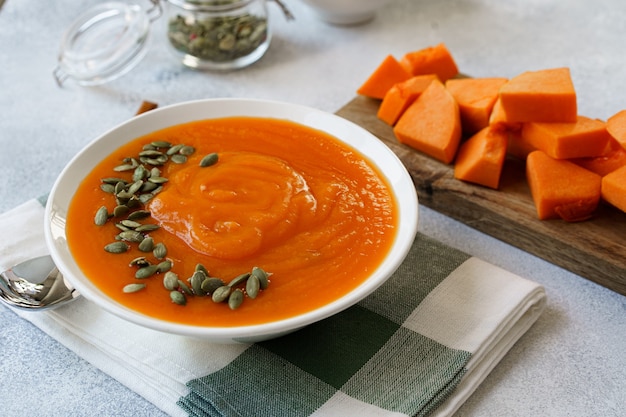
388	73
561	188
401	96
480	159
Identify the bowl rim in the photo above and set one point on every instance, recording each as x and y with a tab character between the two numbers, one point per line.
66	183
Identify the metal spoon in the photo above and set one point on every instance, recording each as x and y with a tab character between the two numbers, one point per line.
35	284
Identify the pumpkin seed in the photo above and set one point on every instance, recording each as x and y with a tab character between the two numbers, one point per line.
252	286
130	288
262	276
117	247
148	146
150	227
240	279
146	245
120	210
178	298
209	285
134	187
196	281
187	150
124	167
174	149
148	186
161	144
210	159
158	180
140	262
221	294
164	266
140	173
132	202
113	180
170	280
138	215
107	188
235	299
122	228
131	236
145	198
151	153
200	267
159	251
102	215
146	271
131	224
178	159
184	287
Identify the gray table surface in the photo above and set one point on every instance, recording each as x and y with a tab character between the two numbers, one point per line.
570	363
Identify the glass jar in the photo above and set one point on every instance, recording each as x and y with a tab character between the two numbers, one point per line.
217	34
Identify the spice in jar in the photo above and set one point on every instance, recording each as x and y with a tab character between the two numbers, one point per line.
218	38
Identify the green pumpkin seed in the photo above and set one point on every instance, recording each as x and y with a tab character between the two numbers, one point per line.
124	167
147	227
132	202
130	288
196	281
140	173
131	224
151	153
178	159
253	286
122	228
138	215
159	251
200	267
158	180
145	198
170	280
221	294
174	149
148	186
113	180
209	285
178	298
140	262
187	150
117	247
235	299
102	215
262	276
148	146
210	159
146	271
161	144
134	187
131	236
240	279
184	287
146	245
120	210
107	188
164	266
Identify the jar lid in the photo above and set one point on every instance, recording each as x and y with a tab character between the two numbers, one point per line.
105	42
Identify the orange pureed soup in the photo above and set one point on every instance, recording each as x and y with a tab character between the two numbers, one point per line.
292	200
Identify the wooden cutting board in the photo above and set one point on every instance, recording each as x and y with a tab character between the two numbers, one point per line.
594	249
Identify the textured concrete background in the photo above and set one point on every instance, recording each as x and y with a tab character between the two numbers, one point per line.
571	363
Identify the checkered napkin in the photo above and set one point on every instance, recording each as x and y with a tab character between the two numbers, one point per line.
420	345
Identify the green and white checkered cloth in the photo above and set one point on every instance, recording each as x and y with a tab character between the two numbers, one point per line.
420	345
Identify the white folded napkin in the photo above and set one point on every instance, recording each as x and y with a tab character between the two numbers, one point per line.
420	345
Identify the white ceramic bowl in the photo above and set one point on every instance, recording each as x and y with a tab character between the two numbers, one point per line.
346	12
355	136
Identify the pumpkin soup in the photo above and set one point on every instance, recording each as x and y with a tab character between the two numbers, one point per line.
278	195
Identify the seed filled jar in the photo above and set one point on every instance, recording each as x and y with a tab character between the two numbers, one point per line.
218	34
